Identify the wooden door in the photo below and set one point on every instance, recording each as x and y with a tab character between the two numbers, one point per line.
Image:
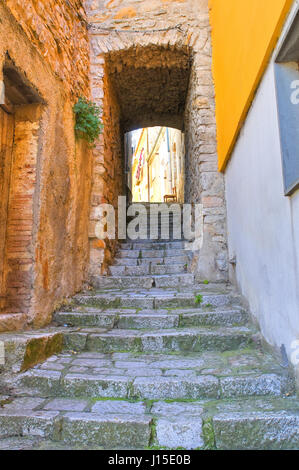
6	147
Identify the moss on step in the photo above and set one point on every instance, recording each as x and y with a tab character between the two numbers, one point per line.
40	349
208	434
5	401
153	434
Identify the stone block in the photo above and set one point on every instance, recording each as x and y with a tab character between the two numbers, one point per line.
175	388
110	431
257	430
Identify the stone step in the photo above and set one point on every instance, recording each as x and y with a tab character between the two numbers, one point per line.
141	254
168	340
248	424
240	424
154	298
22	350
162	238
111	430
155	319
153	261
146	282
157	376
174	268
152	245
93	426
127	261
122	282
267	425
26	422
47	384
145	269
157	220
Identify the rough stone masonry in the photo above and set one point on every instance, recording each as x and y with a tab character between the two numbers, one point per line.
46	173
151	65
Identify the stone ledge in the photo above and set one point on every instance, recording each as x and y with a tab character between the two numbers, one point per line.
12	321
25	350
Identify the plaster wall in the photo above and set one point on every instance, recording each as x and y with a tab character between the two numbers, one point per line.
263	224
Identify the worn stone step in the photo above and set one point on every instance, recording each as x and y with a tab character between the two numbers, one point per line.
247	424
129	270
161	219
142	253
158	376
22	422
69	424
151	318
152	245
122	282
153	261
228	317
155	387
22	350
173	280
112	431
168	269
145	269
267	424
238	424
154	298
126	262
177	340
146	282
161	237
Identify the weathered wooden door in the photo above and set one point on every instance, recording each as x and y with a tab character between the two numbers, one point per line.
6	147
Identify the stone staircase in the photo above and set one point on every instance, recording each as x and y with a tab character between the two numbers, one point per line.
152	360
147	265
151	263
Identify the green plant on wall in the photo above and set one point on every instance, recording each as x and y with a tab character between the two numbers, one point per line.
88	123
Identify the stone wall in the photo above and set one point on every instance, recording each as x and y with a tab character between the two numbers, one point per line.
150	65
46	249
204	184
152	51
263	223
108	169
57	30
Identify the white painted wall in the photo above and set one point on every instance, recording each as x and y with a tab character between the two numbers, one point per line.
263	224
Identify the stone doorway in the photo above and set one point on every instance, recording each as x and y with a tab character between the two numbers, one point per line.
19	145
6	148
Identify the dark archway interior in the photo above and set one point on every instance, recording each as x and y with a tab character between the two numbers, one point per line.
151	84
144	86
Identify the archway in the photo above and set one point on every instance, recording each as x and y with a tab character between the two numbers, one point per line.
156	78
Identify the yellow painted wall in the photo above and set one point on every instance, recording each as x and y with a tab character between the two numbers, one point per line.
244	34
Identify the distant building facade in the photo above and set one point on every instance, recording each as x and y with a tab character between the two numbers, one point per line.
157	169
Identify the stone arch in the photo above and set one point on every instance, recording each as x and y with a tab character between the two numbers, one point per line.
151	83
162	76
